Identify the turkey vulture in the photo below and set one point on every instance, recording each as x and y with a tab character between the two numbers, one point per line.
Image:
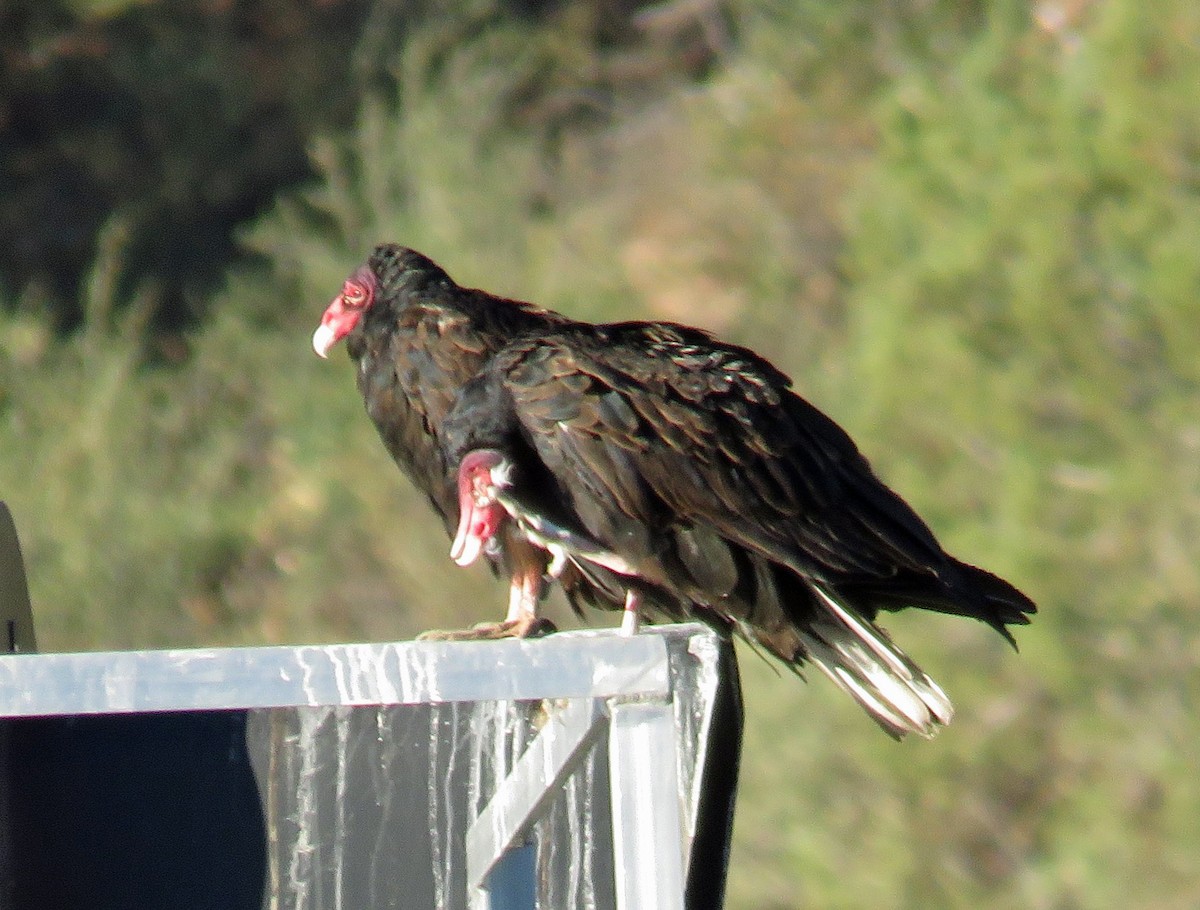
417	338
651	463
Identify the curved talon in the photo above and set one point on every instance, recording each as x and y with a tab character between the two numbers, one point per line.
526	626
539	628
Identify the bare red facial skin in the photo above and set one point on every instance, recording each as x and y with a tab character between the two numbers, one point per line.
342	315
479	515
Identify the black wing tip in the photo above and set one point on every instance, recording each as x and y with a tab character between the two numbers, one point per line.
1021	618
993	600
1001	627
1007	607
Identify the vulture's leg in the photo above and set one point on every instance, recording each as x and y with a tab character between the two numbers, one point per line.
629	619
528	564
524	596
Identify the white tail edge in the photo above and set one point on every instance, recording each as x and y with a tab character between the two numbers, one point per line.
860	659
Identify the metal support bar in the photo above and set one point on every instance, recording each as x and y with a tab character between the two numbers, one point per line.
569	665
647	826
532	783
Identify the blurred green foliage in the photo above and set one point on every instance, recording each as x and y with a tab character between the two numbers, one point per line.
181	119
186	119
969	230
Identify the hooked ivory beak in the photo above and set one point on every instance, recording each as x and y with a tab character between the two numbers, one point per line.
323	339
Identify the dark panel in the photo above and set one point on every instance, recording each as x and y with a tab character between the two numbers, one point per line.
133	811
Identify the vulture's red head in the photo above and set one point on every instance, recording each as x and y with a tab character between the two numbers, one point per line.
348	307
481	476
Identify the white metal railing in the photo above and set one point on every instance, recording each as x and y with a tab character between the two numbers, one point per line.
645	701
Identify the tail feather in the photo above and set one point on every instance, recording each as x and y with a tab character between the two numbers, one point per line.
860	659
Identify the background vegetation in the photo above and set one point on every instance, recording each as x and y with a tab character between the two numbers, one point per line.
969	230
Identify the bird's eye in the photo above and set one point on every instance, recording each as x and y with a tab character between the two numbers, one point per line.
353	294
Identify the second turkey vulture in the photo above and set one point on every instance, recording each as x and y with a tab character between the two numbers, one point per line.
417	338
650	463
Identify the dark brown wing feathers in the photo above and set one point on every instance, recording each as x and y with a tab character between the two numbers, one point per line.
695	460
